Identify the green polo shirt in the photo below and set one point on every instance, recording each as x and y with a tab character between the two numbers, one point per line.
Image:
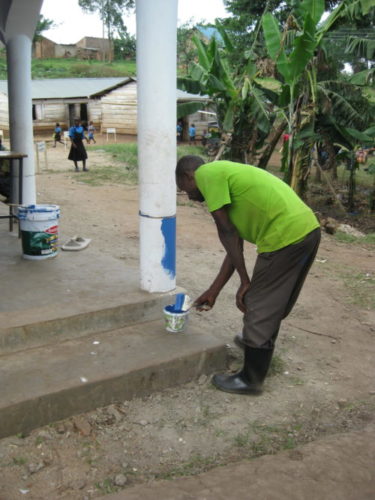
265	210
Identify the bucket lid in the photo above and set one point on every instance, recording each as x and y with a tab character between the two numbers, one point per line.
39	208
38	212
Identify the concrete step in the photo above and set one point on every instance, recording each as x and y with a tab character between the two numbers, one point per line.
49	383
72	295
55	323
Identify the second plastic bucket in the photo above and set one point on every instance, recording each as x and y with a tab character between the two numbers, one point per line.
39	230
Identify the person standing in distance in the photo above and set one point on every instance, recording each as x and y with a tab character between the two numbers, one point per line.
192	133
77	149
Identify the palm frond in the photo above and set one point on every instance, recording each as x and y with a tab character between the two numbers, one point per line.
345	102
361	47
259	110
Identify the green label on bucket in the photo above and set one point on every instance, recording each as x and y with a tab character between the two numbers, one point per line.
40	243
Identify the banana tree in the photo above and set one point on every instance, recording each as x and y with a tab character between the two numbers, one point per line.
294	52
242	100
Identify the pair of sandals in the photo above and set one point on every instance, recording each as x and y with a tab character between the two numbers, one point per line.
76	243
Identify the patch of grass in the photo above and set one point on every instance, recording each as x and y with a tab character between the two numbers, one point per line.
39	440
369	239
76	68
195	465
19	460
260	439
362	289
241	439
73	68
122	152
277	366
111	174
126	170
271	439
294	380
362	178
106	486
186	149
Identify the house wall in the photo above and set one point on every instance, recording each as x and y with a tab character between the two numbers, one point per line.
88	54
100	44
200	121
94	109
90	42
119	110
44	48
47	114
65	50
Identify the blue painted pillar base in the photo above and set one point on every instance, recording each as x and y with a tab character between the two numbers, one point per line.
158	253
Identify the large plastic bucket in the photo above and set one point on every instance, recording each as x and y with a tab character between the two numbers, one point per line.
39	226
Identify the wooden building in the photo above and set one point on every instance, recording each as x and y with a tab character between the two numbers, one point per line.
108	102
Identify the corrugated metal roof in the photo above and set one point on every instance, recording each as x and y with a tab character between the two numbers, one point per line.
64	88
74	88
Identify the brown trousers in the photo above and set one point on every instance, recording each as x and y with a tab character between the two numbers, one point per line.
275	285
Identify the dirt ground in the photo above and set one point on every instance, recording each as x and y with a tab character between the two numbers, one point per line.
322	380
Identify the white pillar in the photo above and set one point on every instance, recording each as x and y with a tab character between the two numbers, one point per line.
156	84
20	109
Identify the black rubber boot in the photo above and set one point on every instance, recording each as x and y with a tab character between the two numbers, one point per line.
237	339
250	379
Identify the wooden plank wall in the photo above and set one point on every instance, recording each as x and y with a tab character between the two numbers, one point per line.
119	110
94	111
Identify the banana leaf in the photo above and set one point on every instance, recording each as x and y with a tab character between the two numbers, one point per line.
229	118
188	108
259	110
360	136
227	41
367	5
197	72
314	8
269	84
303	52
191	86
202	54
274	45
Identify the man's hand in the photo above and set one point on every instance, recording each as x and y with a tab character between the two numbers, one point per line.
206	301
240	296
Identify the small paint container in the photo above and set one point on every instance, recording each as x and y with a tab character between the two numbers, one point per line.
175	321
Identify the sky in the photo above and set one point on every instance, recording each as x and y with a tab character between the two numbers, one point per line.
73	24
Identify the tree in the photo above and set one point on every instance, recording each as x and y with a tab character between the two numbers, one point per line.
186	52
125	45
43	24
110	12
295	52
246	17
242	98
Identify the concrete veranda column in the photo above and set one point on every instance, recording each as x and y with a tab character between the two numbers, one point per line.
18	49
156	84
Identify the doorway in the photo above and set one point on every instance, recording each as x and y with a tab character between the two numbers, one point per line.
83	113
71	109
